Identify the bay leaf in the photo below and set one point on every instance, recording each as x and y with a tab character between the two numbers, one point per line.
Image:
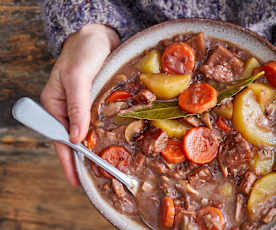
236	88
118	120
159	110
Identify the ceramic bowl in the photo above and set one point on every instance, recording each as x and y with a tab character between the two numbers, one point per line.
242	37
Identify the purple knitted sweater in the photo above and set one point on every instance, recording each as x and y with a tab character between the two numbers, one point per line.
63	17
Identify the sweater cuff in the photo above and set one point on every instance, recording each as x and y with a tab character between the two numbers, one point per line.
62	18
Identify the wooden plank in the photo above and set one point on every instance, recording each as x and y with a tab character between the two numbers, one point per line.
19	2
34	194
25	61
13	8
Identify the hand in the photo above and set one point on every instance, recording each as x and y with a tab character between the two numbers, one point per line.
67	92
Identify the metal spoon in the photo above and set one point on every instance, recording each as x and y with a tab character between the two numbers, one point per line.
37	118
34	116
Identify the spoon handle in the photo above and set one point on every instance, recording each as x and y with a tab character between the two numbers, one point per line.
37	118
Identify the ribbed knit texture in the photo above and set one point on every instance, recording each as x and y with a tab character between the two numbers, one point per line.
127	17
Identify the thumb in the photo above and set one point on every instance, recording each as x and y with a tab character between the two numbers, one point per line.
78	107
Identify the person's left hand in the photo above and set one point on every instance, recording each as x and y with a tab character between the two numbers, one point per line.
67	93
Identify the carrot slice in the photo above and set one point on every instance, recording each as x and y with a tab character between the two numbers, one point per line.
167	212
270	72
173	152
117	156
213	216
221	123
178	58
117	96
90	140
198	98
199	145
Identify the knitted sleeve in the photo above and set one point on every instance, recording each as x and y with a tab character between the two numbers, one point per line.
63	17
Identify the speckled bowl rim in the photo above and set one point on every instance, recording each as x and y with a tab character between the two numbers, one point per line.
118	220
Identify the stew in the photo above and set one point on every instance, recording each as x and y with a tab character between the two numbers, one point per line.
195	119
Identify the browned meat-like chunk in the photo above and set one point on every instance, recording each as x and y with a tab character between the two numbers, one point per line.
107	138
112	108
247	182
222	65
199	176
118	188
239	207
269	216
117	80
154	142
219	72
235	154
144	96
139	161
157	166
198	44
125	205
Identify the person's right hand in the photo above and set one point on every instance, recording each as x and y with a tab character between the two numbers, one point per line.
67	92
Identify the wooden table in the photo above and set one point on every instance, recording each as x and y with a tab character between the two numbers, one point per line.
34	193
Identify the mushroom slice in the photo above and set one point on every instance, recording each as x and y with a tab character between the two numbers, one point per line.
192	120
205	118
133	130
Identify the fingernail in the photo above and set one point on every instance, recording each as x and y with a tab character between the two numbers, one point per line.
74	131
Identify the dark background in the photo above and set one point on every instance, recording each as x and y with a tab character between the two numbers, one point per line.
34	193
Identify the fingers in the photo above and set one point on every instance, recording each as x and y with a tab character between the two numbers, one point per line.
66	157
53	100
67	93
77	91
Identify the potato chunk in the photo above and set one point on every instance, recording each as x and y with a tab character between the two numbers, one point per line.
264	93
174	128
166	86
263	195
249	67
150	63
248	117
262	166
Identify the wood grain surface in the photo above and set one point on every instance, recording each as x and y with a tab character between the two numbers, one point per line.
34	193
